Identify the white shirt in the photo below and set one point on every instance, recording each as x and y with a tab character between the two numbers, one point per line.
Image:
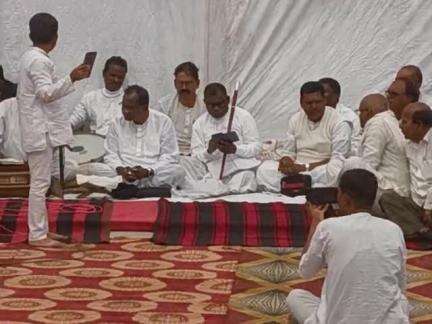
150	145
420	166
10	135
353	119
365	280
383	148
248	146
40	109
98	108
183	118
313	142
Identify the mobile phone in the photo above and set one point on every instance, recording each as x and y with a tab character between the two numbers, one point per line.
89	59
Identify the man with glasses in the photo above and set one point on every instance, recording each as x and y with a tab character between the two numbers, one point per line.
383	144
241	161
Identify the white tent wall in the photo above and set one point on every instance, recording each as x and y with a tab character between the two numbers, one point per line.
152	35
271	46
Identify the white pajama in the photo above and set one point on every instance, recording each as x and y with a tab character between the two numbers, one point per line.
44	124
302	304
40	181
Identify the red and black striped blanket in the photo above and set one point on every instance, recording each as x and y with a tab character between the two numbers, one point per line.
82	220
230	223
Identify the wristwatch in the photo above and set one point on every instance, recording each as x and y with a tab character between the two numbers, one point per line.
307	166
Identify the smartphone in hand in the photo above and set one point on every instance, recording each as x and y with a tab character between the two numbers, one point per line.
89	59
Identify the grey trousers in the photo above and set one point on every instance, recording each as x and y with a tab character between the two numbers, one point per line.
402	211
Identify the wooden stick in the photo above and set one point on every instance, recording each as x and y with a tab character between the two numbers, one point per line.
230	121
62	166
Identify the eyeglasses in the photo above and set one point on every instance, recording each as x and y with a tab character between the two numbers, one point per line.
393	93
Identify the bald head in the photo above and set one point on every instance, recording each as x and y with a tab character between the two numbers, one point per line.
371	105
411	73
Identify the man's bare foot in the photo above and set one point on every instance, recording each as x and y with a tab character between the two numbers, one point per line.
59	237
47	242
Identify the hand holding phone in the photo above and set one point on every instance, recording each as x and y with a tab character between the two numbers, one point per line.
89	59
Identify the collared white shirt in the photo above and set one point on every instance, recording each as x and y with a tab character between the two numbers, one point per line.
182	117
98	108
150	145
40	110
353	119
383	148
365	280
420	166
311	142
10	135
248	146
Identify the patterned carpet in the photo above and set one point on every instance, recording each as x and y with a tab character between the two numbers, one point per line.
266	275
127	281
135	281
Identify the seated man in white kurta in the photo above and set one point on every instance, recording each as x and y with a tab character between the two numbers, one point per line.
141	145
239	173
332	92
319	141
184	106
383	144
98	108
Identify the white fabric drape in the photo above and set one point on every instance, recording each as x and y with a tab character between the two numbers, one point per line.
271	46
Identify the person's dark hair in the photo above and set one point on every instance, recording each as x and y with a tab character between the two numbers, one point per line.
214	89
8	89
417	72
189	68
115	60
411	90
143	95
334	85
311	87
361	185
43	28
423	115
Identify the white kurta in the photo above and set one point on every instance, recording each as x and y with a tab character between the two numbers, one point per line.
353	119
248	146
239	172
98	109
183	118
150	145
40	109
10	134
383	149
365	280
420	167
44	124
311	142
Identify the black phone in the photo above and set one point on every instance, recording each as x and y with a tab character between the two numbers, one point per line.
322	196
89	59
228	137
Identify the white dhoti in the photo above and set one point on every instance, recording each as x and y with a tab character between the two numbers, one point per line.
167	175
237	183
268	177
194	168
40	179
97	169
70	164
